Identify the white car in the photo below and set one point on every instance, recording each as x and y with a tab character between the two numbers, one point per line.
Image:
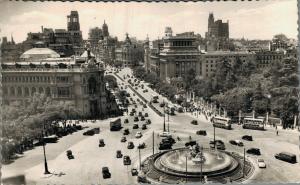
138	135
261	163
239	143
165	134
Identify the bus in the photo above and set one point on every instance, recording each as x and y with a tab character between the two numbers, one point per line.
254	123
222	122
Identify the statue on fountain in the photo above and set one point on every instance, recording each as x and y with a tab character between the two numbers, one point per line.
197	154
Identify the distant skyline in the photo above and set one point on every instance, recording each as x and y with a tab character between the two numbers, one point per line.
251	20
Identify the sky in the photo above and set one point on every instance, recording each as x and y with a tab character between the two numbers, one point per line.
251	20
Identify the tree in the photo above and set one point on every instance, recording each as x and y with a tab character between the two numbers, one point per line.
190	78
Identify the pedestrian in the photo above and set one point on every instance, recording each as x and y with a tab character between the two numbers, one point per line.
277	132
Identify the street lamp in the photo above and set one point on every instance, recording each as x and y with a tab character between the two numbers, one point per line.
44	150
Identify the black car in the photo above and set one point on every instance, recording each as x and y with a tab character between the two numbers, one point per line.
135	126
148	121
126	131
144	127
142	146
247	137
126	160
119	154
142	118
126	121
89	133
286	156
131	113
101	143
190	143
145	106
233	142
105	173
130	145
201	132
123	139
162	104
140	114
70	154
146	115
136	119
165	146
96	130
134	172
254	151
168	140
194	122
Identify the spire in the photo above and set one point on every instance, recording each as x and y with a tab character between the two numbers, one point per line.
12	39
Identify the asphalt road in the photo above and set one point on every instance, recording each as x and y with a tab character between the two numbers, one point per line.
89	158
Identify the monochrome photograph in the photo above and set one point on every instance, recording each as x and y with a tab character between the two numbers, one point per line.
149	93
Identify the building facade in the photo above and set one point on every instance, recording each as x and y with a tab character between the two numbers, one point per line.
266	59
81	84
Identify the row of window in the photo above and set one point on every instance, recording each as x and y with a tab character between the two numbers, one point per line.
26	79
25	91
46	79
269	57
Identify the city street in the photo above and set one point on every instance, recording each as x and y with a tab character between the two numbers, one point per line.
89	158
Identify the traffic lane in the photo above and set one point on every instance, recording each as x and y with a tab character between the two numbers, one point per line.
35	156
89	160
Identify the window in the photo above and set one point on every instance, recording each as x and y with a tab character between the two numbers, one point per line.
63	91
62	79
26	91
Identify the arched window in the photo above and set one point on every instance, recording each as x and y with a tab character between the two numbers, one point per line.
26	91
41	90
5	91
33	90
92	85
48	92
12	91
19	91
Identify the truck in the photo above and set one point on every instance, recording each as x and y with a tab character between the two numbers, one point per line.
286	156
115	125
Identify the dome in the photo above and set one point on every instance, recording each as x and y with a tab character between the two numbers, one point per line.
40	53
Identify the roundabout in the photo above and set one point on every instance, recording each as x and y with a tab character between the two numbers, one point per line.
197	164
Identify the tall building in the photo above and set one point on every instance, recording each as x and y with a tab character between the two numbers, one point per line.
74	28
217	35
129	54
105	30
10	51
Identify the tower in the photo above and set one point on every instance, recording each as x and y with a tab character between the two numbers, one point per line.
73	21
211	20
168	32
105	30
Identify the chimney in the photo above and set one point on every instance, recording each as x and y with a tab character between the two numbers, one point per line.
42	29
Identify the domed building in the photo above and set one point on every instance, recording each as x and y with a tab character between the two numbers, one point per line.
36	54
62	79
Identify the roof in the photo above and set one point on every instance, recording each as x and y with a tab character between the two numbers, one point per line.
84	54
39	52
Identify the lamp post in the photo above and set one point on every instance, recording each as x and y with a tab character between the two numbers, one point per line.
244	162
164	117
44	151
140	158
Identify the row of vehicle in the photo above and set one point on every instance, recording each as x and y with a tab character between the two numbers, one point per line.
92	132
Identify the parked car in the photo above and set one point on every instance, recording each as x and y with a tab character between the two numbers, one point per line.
131	113
134	172
138	135
126	160
247	137
96	130
140	114
101	143
135	126
130	145
254	151
148	121
123	139
89	133
146	114
286	156
162	104
142	118
136	119
105	173
239	143
180	109
119	154
261	163
126	121
201	132
144	126
126	131
194	122
144	106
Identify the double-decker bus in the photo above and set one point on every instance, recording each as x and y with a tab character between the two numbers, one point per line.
254	123
222	122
